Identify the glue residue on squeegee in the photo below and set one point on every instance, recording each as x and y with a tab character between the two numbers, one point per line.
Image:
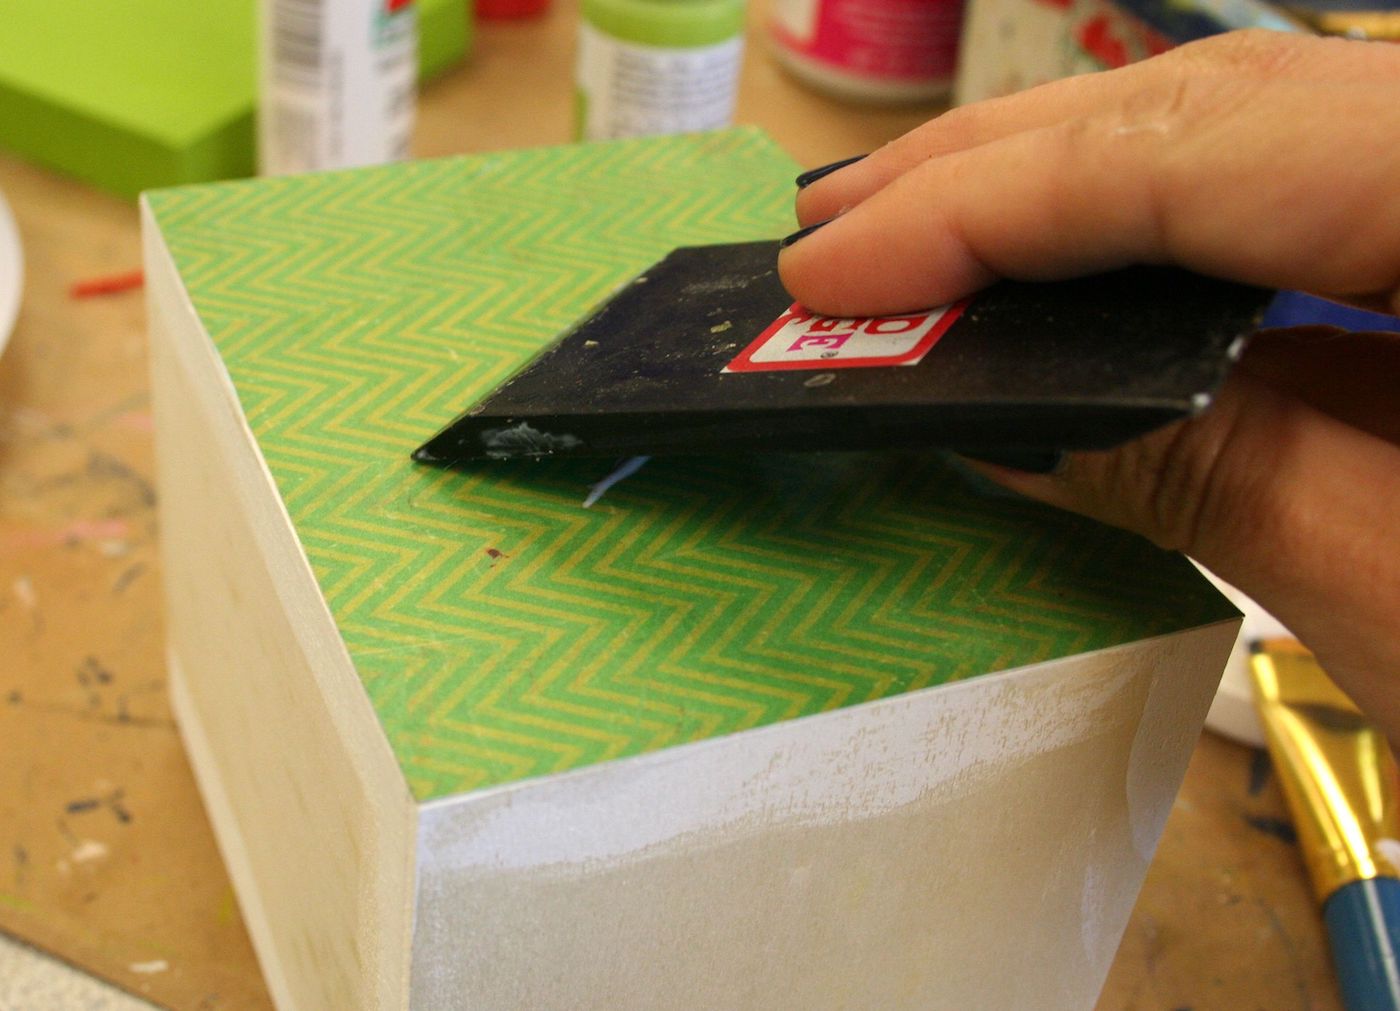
523	439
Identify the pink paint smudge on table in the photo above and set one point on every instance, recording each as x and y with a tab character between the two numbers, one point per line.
139	421
77	532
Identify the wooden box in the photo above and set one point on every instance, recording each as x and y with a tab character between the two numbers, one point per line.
801	731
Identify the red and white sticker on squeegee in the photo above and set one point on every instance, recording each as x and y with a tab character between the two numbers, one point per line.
799	339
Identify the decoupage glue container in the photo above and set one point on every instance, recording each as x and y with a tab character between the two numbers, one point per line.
869	50
338	83
657	66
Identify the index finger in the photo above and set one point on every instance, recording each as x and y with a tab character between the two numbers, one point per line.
1282	184
1236	56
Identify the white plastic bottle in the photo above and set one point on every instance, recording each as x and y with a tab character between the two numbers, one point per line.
338	83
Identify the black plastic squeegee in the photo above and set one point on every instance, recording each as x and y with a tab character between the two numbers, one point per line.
705	353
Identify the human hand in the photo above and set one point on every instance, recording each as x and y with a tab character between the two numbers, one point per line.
1260	157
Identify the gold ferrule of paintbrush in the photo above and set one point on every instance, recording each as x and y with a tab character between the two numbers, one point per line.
1379	26
1337	770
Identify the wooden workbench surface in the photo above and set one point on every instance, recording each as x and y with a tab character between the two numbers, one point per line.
106	858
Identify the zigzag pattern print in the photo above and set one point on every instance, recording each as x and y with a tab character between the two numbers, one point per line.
502	630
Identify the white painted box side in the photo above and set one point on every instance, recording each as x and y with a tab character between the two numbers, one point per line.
974	845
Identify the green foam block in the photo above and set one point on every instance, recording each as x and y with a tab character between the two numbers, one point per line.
136	94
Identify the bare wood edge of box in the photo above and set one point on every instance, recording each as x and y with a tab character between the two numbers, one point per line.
319	835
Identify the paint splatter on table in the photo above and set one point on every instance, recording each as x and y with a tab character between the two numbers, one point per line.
105	856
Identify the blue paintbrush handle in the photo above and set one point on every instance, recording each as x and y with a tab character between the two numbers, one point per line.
1363	924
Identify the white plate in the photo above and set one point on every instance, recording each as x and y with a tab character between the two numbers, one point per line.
11	272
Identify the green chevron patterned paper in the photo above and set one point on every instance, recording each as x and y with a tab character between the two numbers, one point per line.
501	629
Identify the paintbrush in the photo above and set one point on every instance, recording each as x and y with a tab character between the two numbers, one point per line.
1339	778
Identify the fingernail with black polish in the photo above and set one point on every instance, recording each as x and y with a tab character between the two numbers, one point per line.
802	233
822	171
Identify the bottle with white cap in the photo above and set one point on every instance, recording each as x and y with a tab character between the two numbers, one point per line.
338	83
657	66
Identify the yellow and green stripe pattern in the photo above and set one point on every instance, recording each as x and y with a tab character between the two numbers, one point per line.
502	630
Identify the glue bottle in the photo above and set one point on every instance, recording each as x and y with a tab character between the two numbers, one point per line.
338	83
657	66
886	51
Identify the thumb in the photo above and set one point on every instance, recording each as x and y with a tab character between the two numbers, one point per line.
1286	502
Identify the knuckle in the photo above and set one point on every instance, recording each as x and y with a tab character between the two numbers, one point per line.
1165	107
1178	479
1192	487
959	128
1200	484
1250	52
1156	486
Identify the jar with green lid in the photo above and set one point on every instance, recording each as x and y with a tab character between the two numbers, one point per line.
657	66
